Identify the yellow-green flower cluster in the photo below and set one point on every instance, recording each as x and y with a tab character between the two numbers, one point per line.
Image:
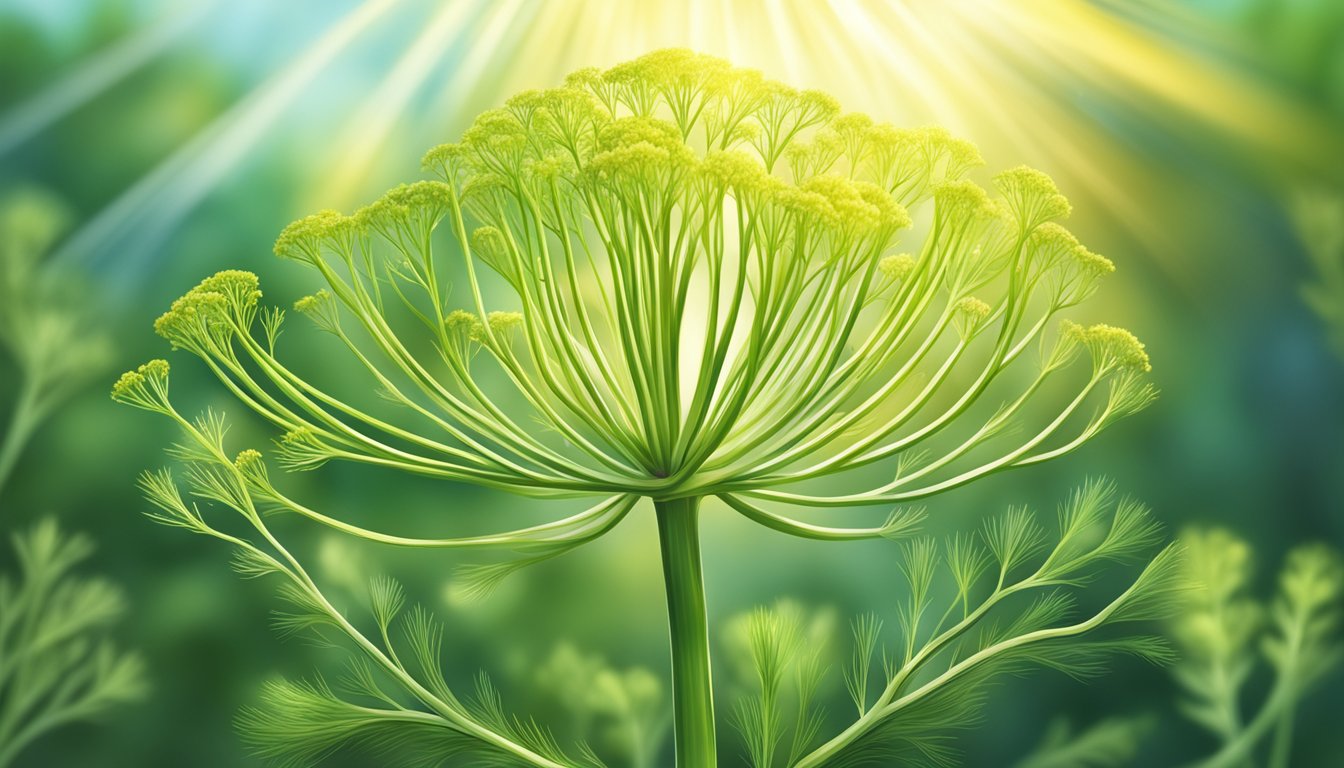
971	314
1032	196
711	289
204	318
145	387
669	280
308	238
1111	347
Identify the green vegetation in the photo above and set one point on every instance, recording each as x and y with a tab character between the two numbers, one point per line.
57	665
719	288
1111	742
45	321
1222	630
1011	603
1319	217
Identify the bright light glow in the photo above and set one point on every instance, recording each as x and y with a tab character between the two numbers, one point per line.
94	76
1028	82
379	114
158	201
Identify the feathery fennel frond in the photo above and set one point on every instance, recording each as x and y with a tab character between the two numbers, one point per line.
397	666
1319	219
773	638
299	724
866	629
782	653
47	330
1223	633
487	706
617	711
991	621
57	664
716	286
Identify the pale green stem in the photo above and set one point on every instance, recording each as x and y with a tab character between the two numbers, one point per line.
1239	751
1282	747
692	686
885	707
443	709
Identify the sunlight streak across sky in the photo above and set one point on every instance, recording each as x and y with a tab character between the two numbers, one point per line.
377	116
95	75
1032	82
148	211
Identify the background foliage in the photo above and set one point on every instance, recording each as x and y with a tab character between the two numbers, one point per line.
231	121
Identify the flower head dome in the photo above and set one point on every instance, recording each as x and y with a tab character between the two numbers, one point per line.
715	285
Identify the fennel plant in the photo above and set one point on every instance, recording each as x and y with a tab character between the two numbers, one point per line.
58	665
45	327
1014	603
1218	631
702	285
1297	635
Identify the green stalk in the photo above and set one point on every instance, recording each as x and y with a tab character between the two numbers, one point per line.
22	423
692	687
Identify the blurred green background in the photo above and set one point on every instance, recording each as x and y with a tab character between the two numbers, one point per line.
183	136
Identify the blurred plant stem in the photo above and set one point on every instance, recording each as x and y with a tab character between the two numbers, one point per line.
1222	628
57	666
22	424
1318	216
692	684
44	320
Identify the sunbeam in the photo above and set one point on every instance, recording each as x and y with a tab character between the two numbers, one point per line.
1022	83
101	71
147	212
374	119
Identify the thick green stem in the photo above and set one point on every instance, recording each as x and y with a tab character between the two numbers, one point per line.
692	686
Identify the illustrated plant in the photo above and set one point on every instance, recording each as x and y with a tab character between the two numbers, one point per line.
1012	604
1111	742
53	348
1219	634
622	707
1297	634
57	666
674	280
57	663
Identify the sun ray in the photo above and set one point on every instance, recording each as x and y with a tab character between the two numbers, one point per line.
99	72
1014	78
498	36
1114	56
153	206
374	119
